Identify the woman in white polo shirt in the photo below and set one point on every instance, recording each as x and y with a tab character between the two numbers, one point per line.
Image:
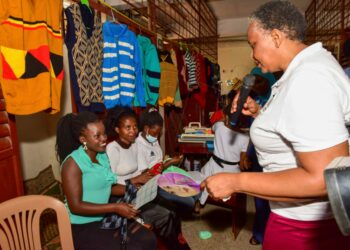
298	132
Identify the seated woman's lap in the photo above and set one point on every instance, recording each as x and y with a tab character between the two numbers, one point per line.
177	203
91	236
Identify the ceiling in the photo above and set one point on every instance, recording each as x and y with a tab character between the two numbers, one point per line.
232	15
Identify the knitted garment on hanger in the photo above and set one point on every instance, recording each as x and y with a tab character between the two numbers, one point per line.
177	100
168	83
86	53
31	52
202	81
122	66
181	68
150	70
191	70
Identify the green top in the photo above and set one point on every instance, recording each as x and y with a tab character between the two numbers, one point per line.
97	180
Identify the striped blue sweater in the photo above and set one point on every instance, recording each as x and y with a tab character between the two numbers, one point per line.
121	67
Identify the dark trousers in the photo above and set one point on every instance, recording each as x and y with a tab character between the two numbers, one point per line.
166	224
90	236
262	212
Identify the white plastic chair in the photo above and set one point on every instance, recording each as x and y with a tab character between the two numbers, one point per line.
20	222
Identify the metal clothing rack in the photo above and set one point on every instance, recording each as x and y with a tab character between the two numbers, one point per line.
328	21
103	7
188	21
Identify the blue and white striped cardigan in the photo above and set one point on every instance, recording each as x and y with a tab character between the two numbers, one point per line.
121	67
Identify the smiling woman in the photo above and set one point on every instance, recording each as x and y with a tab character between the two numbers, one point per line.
296	134
88	182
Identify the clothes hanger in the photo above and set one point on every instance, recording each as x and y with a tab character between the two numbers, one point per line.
113	17
140	30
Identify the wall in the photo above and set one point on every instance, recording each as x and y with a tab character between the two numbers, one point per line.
37	135
234	58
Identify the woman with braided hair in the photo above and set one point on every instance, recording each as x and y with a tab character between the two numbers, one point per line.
88	182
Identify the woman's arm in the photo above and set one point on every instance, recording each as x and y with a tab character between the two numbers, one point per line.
141	179
72	188
305	181
118	190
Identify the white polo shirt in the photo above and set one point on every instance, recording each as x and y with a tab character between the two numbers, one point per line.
123	161
306	112
149	154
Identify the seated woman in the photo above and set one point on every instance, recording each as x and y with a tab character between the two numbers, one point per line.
150	154
88	182
121	122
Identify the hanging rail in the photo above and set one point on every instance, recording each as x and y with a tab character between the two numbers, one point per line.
107	9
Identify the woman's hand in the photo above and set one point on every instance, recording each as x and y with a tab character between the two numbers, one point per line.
173	161
220	185
250	107
141	179
126	210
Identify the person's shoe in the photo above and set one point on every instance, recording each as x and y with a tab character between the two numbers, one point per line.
254	241
197	207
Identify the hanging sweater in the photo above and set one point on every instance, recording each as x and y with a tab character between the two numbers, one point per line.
122	66
181	68
177	99
201	79
168	81
84	44
31	55
191	70
150	70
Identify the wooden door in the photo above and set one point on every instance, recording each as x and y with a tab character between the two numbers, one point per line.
11	182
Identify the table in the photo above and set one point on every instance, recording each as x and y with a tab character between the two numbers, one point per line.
192	150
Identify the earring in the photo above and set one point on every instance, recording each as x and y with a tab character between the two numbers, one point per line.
85	147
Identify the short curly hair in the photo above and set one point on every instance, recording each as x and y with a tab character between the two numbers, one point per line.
283	16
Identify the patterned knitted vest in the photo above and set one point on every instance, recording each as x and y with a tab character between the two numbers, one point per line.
87	58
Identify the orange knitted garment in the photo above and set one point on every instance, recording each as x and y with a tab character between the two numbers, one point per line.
31	67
